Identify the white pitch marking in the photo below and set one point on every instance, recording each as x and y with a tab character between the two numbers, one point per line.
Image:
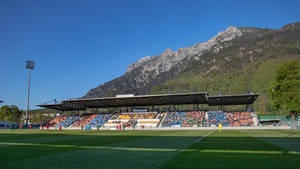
199	139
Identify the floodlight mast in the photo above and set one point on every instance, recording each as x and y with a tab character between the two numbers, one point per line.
29	66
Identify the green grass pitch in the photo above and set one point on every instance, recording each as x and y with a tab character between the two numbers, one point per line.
178	149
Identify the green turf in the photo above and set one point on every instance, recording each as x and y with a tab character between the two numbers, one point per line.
150	149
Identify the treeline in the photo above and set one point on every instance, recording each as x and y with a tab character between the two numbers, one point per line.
12	113
285	90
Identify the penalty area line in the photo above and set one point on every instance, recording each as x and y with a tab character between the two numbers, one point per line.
201	138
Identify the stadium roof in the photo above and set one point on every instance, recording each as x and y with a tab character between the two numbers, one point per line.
57	107
153	100
232	99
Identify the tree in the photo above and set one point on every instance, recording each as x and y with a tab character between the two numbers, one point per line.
10	113
285	91
5	112
16	114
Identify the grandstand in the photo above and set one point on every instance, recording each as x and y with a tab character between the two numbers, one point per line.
57	121
156	119
147	119
208	119
152	119
98	121
84	120
69	120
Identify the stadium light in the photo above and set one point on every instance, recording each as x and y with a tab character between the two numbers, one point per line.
29	66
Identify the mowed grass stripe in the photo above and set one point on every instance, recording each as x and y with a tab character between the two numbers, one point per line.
69	136
139	152
11	152
234	149
287	140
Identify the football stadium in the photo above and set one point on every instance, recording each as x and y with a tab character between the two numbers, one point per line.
152	136
159	84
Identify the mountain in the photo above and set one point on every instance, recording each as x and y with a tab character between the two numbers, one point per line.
233	61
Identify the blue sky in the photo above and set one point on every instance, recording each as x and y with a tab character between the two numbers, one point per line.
80	44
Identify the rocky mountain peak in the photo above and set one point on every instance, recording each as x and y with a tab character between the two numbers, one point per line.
167	52
148	68
230	33
138	63
168	58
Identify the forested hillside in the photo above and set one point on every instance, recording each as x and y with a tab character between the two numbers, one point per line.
232	62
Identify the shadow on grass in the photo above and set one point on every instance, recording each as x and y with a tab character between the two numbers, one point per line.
237	152
133	151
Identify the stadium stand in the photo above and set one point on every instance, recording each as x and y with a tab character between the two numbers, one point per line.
56	121
115	116
129	115
194	119
173	119
159	119
114	123
99	120
84	120
144	119
207	119
155	119
147	122
134	119
240	119
69	120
